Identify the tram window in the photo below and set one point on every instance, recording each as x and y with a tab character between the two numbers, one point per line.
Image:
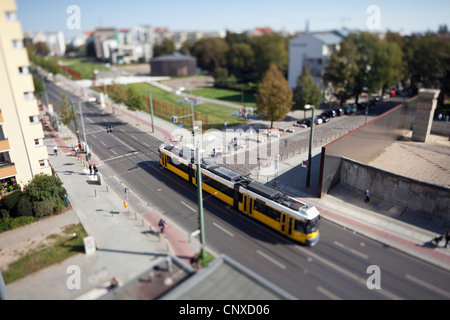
268	211
179	165
300	225
218	186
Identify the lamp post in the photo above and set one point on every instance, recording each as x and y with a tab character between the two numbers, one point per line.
311	138
200	203
151	109
82	121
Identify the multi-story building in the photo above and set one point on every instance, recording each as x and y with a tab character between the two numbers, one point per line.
314	51
22	150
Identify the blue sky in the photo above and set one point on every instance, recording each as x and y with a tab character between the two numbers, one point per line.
235	15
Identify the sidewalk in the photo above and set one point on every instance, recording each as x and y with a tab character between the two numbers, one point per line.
133	248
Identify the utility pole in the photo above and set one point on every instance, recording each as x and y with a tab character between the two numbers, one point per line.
151	109
75	120
200	203
311	139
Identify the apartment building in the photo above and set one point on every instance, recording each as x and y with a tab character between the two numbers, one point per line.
22	150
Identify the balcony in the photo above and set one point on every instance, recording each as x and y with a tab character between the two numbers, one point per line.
7	169
4	145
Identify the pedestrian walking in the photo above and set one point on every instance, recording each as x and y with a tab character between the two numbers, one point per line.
55	150
162	225
77	151
90	169
447	238
368	194
225	124
95	170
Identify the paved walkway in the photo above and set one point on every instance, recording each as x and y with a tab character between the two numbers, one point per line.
134	247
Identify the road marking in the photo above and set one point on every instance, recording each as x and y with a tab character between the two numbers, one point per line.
223	229
356	252
428	286
346	273
273	260
183	203
327	293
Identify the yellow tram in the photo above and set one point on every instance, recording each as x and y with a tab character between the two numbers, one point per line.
289	216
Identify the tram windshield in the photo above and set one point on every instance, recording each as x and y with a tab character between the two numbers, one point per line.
312	225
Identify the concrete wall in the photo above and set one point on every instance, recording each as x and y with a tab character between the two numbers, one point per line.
402	191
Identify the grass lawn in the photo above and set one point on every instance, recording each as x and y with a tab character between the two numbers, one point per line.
62	248
227	95
84	66
217	114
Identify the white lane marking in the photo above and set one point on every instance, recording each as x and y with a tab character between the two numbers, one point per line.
273	260
188	206
428	286
345	272
356	252
223	229
328	294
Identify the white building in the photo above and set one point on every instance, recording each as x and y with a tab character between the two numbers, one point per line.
312	50
56	44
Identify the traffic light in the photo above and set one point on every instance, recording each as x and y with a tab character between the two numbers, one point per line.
174	119
110	129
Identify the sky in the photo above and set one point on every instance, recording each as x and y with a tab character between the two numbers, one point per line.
236	15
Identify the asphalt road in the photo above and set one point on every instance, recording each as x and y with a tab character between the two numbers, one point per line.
337	268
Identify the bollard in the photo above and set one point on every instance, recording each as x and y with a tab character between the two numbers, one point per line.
67	201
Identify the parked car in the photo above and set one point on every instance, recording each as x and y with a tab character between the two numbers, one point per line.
325	119
348	110
329	114
339	111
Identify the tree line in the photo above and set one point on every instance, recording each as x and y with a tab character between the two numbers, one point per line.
362	63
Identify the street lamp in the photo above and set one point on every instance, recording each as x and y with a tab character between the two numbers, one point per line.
311	137
82	121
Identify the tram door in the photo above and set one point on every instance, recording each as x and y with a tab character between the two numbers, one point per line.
286	224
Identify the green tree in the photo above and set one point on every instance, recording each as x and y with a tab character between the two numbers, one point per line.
342	70
388	65
270	49
135	101
43	187
274	98
241	58
306	91
39	88
65	110
167	47
211	53
368	76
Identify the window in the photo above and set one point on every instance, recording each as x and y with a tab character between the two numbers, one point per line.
268	211
38	142
43	163
218	186
17	44
24	71
178	165
11	16
28	95
34	119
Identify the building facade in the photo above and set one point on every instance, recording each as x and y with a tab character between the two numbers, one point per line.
22	151
312	50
